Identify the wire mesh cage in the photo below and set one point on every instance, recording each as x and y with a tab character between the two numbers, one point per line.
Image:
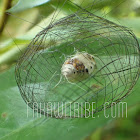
103	59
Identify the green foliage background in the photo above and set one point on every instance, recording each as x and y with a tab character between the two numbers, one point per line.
26	20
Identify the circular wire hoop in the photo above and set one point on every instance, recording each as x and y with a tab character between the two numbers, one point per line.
117	57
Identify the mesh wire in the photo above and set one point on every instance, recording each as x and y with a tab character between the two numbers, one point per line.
116	52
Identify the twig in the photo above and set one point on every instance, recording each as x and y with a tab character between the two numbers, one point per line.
4	17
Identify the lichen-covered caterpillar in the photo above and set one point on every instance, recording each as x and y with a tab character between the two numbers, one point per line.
78	67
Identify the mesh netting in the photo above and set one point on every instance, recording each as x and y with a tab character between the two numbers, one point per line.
116	52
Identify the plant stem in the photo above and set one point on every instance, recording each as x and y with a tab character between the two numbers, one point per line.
4	17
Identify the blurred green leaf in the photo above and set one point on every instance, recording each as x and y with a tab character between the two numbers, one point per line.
121	128
14	123
12	50
25	4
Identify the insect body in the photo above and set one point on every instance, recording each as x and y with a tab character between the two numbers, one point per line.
78	67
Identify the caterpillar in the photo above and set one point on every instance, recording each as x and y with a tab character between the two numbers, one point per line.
78	67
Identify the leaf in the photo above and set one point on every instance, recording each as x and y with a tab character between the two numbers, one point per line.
14	123
25	4
12	51
121	128
19	23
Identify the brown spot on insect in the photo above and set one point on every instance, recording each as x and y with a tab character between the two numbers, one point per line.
78	67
